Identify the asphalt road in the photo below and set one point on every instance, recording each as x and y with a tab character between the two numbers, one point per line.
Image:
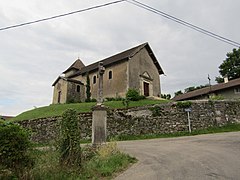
212	156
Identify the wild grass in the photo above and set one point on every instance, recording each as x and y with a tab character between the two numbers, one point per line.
97	163
57	109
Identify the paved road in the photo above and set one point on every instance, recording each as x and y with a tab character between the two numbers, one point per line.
214	156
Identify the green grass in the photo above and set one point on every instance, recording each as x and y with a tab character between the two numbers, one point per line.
225	128
57	109
96	166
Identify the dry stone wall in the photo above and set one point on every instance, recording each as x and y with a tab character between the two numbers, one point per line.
155	119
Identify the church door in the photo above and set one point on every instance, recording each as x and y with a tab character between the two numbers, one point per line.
146	88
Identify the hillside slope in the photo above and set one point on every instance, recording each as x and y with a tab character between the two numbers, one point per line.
57	109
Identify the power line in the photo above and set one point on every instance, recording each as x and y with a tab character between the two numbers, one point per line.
61	15
187	24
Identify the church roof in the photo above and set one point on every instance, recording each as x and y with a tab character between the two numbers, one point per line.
125	55
78	64
66	79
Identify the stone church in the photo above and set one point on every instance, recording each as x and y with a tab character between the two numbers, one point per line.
135	68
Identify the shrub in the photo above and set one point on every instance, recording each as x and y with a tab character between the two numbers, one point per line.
110	99
69	140
133	95
15	149
93	100
114	99
184	104
216	97
156	111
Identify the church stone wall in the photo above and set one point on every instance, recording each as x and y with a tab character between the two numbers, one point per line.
73	95
61	87
117	86
140	64
144	120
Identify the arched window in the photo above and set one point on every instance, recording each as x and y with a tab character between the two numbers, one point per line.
94	79
110	75
59	96
78	88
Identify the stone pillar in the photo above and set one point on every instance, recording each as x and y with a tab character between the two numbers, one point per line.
101	71
99	125
99	119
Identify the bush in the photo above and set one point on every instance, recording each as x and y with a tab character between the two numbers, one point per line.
216	97
156	111
133	95
15	149
114	99
93	100
184	104
69	140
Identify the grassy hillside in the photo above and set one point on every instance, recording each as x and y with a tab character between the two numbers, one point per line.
57	110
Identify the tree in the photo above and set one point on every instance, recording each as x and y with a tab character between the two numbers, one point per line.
178	93
166	96
230	66
88	93
189	89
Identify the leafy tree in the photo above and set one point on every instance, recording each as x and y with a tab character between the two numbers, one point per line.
166	96
178	93
88	92
230	66
189	89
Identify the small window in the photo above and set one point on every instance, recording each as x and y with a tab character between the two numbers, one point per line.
59	96
78	88
94	79
110	75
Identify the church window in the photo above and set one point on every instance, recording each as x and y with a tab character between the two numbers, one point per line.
110	75
78	88
59	96
94	79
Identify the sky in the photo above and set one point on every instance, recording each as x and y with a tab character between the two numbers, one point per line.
33	56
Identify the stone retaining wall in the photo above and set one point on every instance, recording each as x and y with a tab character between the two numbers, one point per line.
155	119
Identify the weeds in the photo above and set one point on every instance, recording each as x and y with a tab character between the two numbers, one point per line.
97	163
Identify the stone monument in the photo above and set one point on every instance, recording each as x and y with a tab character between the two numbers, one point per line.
99	114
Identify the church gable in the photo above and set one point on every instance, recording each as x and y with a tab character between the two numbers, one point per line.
75	67
146	76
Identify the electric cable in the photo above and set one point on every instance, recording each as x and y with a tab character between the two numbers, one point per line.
187	24
61	15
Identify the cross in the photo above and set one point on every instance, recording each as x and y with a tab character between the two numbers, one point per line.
101	71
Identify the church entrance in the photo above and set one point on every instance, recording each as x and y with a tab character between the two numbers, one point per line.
146	88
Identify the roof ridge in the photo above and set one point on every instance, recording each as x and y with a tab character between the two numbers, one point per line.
121	56
208	89
77	64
